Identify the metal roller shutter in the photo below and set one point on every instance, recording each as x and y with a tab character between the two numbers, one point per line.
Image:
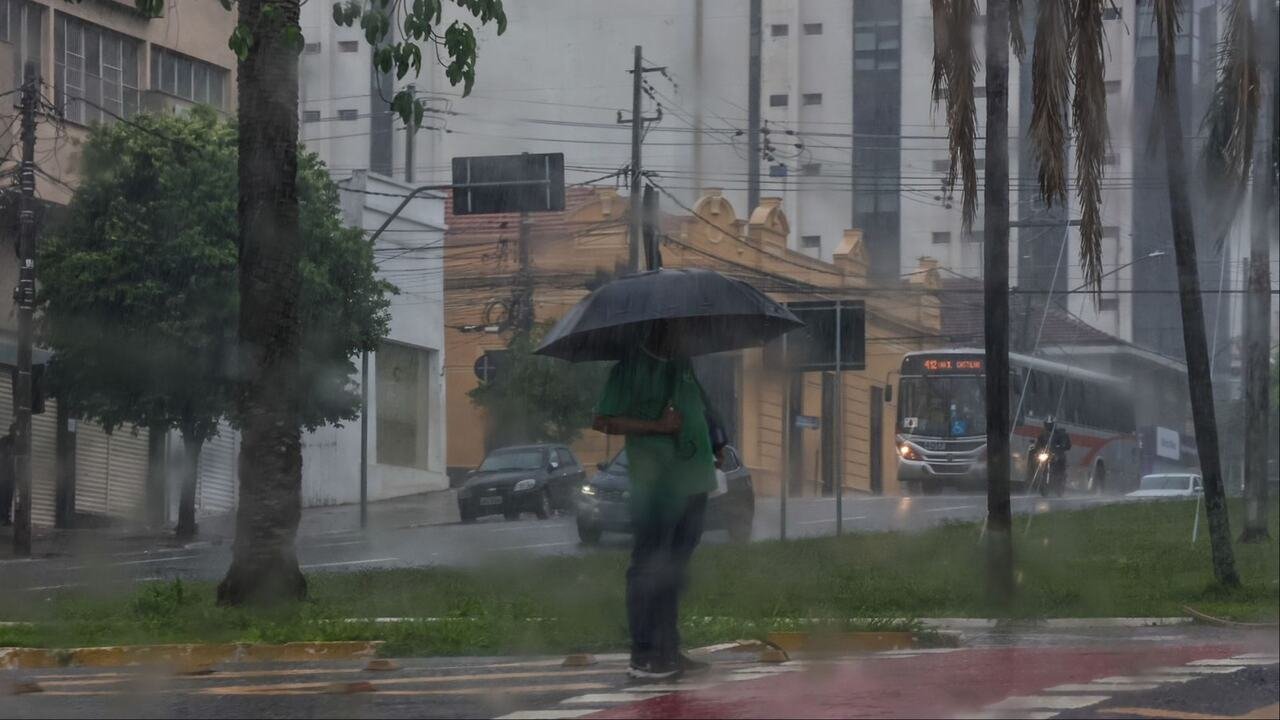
43	453
217	478
93	461
127	473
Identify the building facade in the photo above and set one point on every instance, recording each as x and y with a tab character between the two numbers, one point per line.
96	62
570	252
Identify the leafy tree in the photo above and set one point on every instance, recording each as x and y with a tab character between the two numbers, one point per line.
267	39
140	297
538	399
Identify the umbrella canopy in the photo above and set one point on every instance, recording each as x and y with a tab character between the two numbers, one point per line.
714	313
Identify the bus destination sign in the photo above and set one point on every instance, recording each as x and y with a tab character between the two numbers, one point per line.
950	364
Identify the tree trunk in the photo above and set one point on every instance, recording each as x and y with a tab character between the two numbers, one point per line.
1258	440
191	445
1193	331
157	476
264	564
995	253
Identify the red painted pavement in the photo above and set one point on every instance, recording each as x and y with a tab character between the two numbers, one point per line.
931	686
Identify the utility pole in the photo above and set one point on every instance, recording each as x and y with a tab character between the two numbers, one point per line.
522	309
753	106
410	136
26	297
637	136
652	258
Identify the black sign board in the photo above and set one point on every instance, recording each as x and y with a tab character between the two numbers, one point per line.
813	347
508	183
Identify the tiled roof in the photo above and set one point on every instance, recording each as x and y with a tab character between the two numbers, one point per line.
962	319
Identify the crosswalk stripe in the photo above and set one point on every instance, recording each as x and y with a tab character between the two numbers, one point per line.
1048	702
1141	679
601	698
427	680
1102	687
1238	662
1197	670
560	714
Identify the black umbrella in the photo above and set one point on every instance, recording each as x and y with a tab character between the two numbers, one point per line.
715	314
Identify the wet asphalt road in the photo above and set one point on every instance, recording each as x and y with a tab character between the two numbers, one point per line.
404	543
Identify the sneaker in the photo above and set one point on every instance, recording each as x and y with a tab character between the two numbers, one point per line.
651	671
689	666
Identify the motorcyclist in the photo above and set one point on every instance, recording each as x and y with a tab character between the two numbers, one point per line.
1059	444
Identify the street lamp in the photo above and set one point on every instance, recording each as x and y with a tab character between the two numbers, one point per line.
1112	271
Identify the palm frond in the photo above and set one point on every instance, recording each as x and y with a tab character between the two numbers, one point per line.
1050	88
954	68
1168	18
1231	120
1089	116
1016	39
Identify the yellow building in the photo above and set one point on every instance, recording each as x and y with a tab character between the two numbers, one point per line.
570	252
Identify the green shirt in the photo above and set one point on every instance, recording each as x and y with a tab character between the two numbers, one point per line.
664	469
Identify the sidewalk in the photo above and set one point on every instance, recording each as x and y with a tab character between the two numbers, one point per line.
432	508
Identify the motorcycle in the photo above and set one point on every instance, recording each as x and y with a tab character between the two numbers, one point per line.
1051	473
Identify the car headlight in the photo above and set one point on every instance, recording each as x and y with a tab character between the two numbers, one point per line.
587	490
526	484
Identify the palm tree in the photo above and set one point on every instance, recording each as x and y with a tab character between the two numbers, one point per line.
1069	51
1232	125
1168	26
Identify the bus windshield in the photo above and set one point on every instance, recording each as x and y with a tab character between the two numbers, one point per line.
942	406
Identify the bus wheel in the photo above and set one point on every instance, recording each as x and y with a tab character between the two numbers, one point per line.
1098	479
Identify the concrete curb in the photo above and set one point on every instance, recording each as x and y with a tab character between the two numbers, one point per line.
184	655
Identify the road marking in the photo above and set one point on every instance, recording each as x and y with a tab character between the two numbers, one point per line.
1237	662
323	688
1265	712
1197	670
599	698
831	521
40	588
1102	687
662	688
147	561
547	714
22	560
421	680
1048	702
1253	656
153	551
528	525
948	509
313	566
1007	715
1140	679
336	544
536	545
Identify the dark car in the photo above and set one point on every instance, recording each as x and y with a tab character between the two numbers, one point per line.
530	478
603	502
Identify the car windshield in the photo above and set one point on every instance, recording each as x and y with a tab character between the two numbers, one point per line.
943	406
1166	482
512	460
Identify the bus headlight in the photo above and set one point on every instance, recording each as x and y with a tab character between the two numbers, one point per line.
908	453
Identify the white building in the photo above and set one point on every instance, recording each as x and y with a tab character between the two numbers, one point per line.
855	139
406	411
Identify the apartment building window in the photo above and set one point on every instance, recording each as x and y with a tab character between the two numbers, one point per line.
311	48
810	242
20	25
1109	302
1113	86
1111	159
310	116
348	46
1110	297
778	170
778	100
811	169
779	30
97	71
190	79
942	238
813	28
348	114
975	236
876	45
812	98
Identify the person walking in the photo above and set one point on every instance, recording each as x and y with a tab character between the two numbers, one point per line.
653	398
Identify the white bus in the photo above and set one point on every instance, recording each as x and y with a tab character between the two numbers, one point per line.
942	422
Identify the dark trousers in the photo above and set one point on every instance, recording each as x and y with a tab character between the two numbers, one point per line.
656	577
